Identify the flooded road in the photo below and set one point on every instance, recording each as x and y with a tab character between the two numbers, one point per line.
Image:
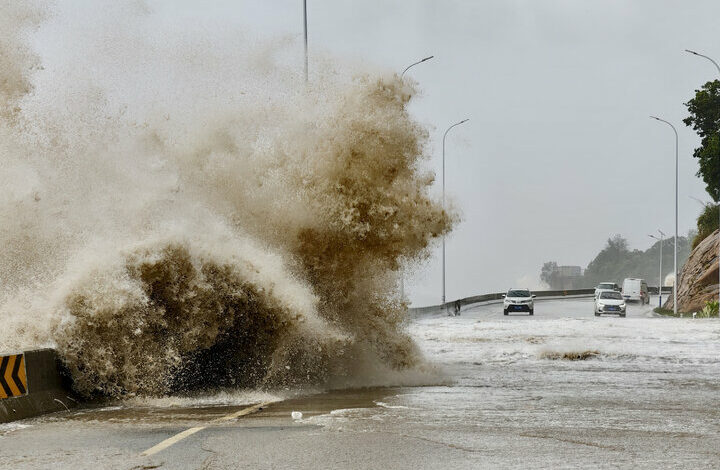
562	389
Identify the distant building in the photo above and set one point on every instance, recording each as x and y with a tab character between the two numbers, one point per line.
569	271
568	277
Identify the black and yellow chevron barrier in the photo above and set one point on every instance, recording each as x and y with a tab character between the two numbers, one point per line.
13	380
32	383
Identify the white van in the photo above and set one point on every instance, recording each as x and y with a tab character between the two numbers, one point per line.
635	289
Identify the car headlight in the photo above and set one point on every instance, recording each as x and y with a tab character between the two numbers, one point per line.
601	304
622	305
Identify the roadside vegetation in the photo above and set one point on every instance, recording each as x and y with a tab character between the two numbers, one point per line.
616	261
709	311
707	223
704	118
670	313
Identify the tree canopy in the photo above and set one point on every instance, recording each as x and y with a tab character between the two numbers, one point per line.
704	118
548	274
616	261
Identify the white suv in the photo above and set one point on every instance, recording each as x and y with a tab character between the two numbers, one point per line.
606	286
610	302
518	300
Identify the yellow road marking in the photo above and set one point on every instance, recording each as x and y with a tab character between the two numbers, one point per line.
176	438
243	412
189	432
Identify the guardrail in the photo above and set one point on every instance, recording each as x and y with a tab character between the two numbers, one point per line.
665	290
497	296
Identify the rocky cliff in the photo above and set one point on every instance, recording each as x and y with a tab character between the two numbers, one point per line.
698	277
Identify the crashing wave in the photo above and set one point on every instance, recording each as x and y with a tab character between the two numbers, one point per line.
197	217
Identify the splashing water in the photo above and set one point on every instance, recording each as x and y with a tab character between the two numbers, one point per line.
180	212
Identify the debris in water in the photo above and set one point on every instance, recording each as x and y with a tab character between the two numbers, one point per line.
296	415
570	355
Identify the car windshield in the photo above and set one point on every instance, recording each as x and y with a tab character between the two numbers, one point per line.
518	293
606	286
611	295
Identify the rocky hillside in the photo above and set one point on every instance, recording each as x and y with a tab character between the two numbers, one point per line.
699	277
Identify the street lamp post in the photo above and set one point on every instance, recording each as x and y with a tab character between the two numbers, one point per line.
414	64
402	279
305	36
443	204
677	280
660	283
718	68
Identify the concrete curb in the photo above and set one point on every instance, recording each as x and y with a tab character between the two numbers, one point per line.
48	388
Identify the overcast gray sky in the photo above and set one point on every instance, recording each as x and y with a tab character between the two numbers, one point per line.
560	153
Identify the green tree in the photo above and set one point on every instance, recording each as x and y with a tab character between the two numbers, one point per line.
704	118
610	264
548	274
707	223
616	262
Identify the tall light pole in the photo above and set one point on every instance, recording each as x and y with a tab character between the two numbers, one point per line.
443	204
305	34
402	278
414	64
677	280
660	283
718	68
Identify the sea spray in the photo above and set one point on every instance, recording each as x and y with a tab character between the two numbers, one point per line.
180	212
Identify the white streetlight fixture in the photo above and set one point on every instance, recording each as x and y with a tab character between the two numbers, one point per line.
718	68
660	283
443	204
677	280
414	64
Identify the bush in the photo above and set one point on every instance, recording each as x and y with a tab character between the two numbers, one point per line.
710	310
707	223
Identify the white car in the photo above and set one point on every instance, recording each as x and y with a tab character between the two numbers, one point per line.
518	300
610	302
606	286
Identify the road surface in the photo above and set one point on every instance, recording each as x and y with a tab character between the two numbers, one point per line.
561	389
